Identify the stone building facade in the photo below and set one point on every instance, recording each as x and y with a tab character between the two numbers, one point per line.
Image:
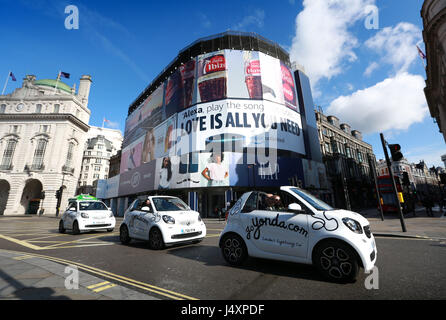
43	127
349	162
433	13
101	145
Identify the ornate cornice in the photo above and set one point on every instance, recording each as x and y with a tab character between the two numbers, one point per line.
45	117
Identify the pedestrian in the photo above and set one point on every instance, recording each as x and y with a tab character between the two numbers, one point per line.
429	203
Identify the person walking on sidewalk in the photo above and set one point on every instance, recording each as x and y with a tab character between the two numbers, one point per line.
428	202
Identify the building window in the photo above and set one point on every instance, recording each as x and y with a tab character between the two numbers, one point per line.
97	168
56	108
69	154
100	146
98	161
327	147
39	154
45	128
88	153
105	176
3	108
99	154
86	168
39	108
86	176
96	176
8	154
14	129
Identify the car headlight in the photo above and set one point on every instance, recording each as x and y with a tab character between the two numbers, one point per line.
84	215
168	219
111	214
199	218
353	225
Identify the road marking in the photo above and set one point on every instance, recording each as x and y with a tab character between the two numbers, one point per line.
20	242
98	285
23	257
105	288
105	274
212	235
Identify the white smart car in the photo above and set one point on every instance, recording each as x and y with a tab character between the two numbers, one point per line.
293	225
161	220
86	213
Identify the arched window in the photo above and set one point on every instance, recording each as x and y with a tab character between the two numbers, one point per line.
56	108
3	108
8	154
39	154
38	108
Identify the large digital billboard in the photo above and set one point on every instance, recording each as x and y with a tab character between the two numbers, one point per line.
215	104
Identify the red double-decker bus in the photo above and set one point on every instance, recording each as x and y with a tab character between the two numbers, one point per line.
388	201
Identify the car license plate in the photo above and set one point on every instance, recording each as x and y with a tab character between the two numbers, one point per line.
188	230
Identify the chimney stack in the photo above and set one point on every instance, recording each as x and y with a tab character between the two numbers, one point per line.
84	89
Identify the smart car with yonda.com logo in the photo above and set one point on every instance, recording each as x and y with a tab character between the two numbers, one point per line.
161	220
293	225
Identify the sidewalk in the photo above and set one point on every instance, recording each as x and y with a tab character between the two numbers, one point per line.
24	277
417	226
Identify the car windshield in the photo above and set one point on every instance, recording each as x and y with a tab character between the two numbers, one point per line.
312	200
169	204
92	205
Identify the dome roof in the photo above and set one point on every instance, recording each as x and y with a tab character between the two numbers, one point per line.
52	83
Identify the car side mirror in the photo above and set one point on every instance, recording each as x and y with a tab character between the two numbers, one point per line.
146	209
295	207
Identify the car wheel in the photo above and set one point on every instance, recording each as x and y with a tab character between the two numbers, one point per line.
124	234
336	261
234	249
156	241
76	228
61	227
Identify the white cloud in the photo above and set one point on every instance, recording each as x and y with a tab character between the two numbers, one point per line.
372	67
256	19
396	45
323	43
393	104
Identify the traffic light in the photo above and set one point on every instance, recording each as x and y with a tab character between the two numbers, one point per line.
406	180
395	152
59	193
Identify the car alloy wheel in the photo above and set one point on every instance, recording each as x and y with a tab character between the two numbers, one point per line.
124	234
156	241
234	250
337	262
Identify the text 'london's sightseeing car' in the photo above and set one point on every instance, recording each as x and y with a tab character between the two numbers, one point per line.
161	220
86	213
293	225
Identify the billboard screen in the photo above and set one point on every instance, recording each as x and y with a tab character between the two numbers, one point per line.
219	102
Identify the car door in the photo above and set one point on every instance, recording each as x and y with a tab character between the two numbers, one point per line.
276	230
69	215
132	218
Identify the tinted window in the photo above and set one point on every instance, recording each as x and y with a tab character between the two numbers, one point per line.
169	204
251	203
85	206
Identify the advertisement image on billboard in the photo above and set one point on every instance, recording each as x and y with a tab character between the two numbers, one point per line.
257	123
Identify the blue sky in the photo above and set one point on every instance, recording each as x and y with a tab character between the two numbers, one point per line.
125	45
